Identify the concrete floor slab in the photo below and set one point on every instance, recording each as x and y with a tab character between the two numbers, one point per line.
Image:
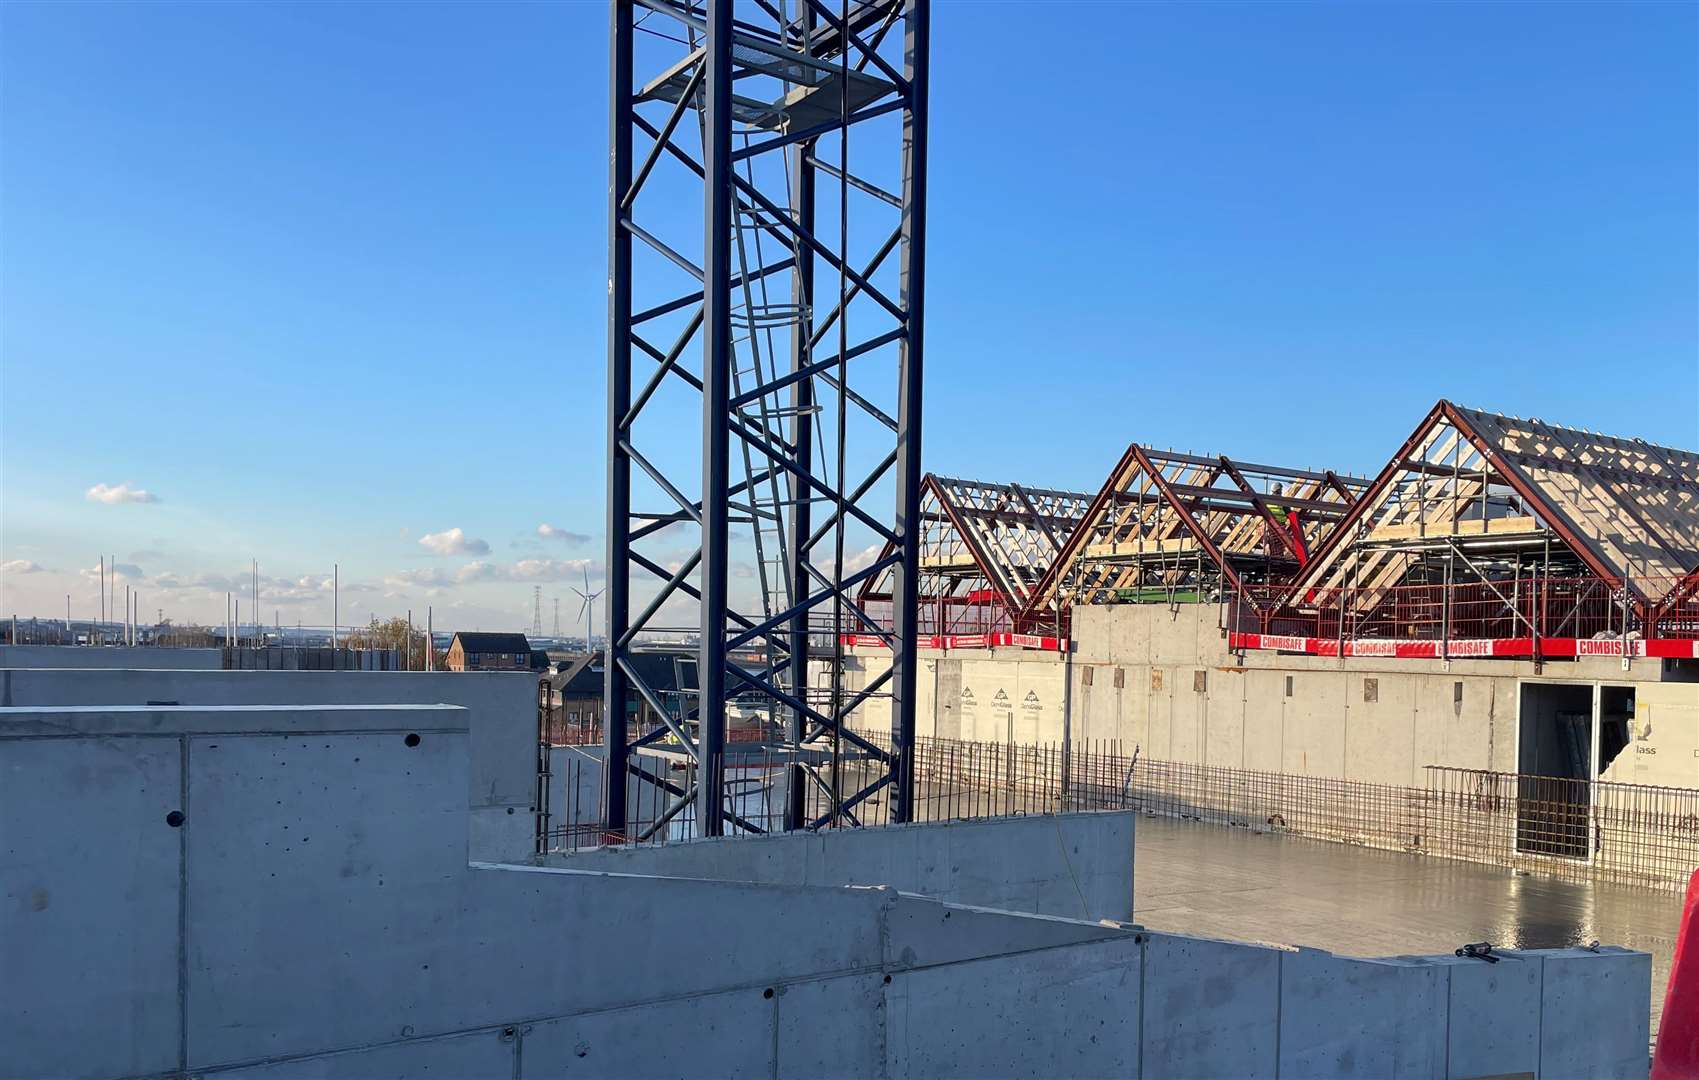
1234	883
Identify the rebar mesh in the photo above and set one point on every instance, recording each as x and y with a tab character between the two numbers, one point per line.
1569	829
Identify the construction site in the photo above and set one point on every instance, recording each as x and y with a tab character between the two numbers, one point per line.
1046	783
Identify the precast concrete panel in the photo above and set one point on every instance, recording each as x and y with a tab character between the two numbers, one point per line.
354	841
608	923
731	1033
947	700
84	657
928	933
1265	694
1344	1017
831	1027
1069	1011
477	1055
1039	698
1594	1020
1455	730
987	701
1091	636
1211	1008
1493	1025
90	873
1186	707
501	720
1381	733
1224	719
1158	683
1314	724
1067	865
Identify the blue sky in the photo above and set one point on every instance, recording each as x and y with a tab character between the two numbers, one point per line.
326	280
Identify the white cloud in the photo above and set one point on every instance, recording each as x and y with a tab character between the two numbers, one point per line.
111	494
861	560
20	566
115	571
453	542
565	536
479	570
433	578
550	569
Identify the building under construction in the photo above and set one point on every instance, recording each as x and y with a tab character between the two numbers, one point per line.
1484	536
1506	602
985	551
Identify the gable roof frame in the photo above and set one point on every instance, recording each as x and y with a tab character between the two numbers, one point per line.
1508	468
1039	510
1220	521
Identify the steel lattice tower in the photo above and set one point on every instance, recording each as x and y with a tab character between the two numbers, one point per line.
766	203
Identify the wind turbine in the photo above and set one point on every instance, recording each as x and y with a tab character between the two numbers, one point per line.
588	609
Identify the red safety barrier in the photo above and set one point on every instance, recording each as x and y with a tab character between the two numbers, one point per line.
1676	1056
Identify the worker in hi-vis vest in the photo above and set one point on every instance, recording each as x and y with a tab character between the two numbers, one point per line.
1294	527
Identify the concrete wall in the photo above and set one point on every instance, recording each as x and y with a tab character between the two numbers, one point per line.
1184	697
986	695
1073	865
1162	679
313	914
115	656
501	708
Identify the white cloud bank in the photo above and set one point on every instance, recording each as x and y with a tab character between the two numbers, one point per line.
565	536
21	566
453	542
525	570
114	494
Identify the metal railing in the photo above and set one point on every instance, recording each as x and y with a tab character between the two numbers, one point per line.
1553	826
1517	607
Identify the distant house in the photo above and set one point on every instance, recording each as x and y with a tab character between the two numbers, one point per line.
573	693
489	652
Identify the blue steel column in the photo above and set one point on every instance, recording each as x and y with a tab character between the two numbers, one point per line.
802	429
717	360
614	689
911	279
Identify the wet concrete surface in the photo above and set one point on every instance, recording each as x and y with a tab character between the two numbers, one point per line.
1225	882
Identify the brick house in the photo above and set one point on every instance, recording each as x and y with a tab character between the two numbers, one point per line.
489	652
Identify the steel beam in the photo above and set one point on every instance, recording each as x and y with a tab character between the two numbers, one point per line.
802	451
911	289
614	689
717	362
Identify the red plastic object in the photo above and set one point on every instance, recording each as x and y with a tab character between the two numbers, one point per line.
1297	528
1677	1054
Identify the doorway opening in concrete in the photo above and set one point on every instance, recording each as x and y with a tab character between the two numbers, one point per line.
1616	726
1555	767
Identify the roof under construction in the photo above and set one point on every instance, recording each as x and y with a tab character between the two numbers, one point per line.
1174	524
985	545
1489	495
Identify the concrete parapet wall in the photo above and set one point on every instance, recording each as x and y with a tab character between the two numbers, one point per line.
1074	865
501	719
313	914
109	656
